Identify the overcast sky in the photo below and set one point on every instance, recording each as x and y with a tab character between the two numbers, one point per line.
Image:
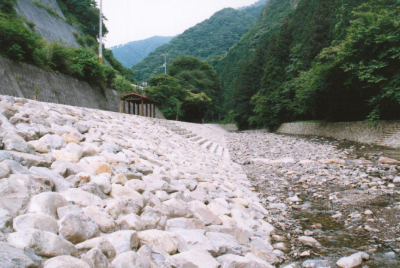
131	20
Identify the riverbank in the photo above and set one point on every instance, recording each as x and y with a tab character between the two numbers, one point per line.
325	201
384	133
84	188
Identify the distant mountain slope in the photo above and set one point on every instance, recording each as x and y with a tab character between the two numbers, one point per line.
268	23
133	52
212	37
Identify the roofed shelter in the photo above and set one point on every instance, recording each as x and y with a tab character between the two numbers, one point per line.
136	104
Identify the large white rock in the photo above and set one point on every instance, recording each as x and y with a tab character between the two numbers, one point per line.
174	208
28	160
130	260
53	142
45	244
118	190
354	260
153	219
263	250
121	206
77	228
103	219
156	256
47	203
71	209
5	170
184	223
16	257
309	241
389	161
124	241
72	152
66	168
194	239
201	212
104	182
82	198
136	185
14	196
164	240
35	184
130	222
95	258
224	243
60	184
101	243
261	262
195	259
218	209
41	222
235	261
65	262
119	179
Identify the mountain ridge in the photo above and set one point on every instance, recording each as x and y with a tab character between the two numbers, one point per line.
206	40
133	52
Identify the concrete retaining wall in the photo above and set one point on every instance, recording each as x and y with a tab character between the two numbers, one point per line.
385	133
21	80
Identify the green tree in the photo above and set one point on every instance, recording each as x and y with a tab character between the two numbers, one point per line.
195	106
197	77
170	95
84	12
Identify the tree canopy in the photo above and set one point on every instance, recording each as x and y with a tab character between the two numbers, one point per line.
190	92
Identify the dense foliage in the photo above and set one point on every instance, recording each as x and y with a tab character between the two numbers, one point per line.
208	39
84	13
330	60
18	42
190	92
133	52
238	56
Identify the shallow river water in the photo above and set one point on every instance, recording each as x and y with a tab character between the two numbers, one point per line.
337	239
347	207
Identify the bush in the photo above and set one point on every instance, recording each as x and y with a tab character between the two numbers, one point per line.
16	41
122	85
7	6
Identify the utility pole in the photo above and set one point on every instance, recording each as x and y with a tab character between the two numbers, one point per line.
101	33
165	62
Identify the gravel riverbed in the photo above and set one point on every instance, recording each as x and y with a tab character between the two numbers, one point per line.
327	200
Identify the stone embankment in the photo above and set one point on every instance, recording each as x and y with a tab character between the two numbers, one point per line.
384	133
329	207
88	188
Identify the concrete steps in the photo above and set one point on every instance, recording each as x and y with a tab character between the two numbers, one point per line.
211	146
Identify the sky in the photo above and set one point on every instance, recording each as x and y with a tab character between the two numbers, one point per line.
132	20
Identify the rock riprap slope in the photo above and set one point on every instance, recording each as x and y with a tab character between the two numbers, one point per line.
89	188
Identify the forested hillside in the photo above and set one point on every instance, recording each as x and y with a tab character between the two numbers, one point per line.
206	40
268	23
133	52
330	60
